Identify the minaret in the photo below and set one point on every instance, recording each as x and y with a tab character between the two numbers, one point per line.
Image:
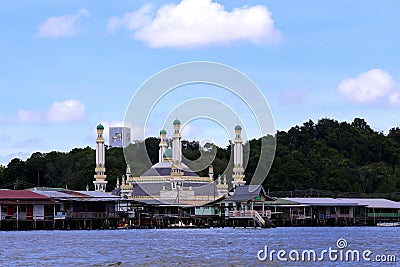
100	176
222	186
238	171
176	149
211	172
117	185
163	145
176	143
128	172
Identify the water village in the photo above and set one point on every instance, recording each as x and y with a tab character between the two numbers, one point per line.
171	195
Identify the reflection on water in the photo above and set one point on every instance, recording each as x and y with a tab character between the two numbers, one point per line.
186	247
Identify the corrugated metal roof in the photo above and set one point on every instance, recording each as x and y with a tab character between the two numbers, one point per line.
71	195
325	201
20	194
247	192
375	202
89	199
53	194
282	202
97	194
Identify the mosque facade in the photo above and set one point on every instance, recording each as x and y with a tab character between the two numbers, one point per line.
170	181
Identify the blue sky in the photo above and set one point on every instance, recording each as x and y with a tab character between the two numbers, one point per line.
65	64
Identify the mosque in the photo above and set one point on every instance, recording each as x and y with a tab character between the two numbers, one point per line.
170	182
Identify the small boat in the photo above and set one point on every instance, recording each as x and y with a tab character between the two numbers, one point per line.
180	224
388	224
122	227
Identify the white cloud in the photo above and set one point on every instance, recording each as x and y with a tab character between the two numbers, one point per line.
373	86
191	131
133	20
63	111
28	116
62	26
198	23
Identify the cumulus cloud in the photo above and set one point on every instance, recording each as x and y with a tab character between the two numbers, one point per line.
133	20
194	23
191	131
62	26
63	111
373	86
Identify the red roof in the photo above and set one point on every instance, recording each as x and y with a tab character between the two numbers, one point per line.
20	194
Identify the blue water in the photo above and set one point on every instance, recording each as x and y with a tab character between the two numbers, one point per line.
190	247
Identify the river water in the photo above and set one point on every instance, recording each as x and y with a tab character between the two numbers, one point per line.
197	247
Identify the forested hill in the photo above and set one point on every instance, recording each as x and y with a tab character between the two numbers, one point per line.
326	158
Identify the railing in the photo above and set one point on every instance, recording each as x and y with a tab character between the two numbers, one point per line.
23	217
91	215
260	219
301	217
387	215
251	214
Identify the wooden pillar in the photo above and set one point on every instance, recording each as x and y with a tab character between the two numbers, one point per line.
54	216
17	216
374	215
263	209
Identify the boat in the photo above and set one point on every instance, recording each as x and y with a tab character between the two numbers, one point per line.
180	224
388	224
123	227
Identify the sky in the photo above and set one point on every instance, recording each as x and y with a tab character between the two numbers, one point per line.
68	65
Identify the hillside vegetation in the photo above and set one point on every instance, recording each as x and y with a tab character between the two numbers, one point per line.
328	158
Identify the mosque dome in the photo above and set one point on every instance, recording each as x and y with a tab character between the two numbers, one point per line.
100	127
168	153
238	128
163	131
177	122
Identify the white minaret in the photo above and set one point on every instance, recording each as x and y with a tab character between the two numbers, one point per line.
100	176
163	145
238	171
176	143
176	149
117	184
211	172
128	172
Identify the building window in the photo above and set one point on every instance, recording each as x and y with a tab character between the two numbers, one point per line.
4	209
21	209
344	210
